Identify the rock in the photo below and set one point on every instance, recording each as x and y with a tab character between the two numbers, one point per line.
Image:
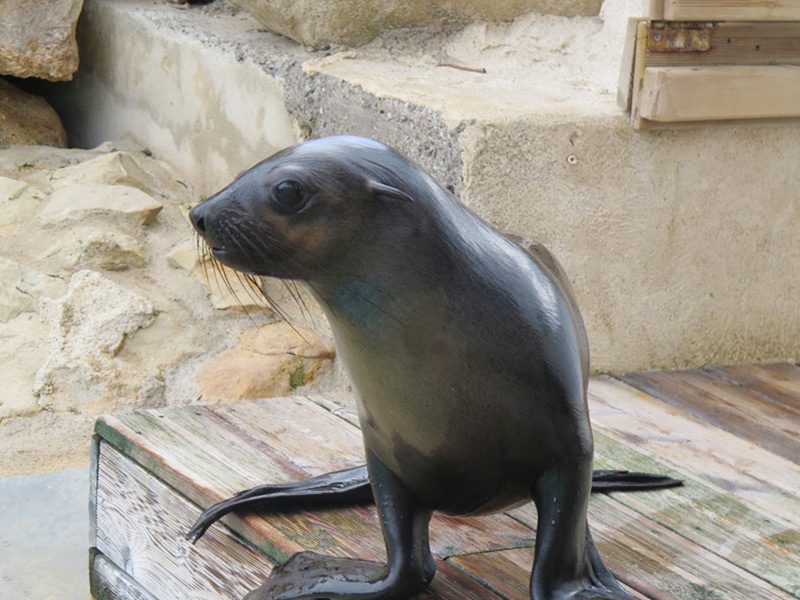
18	203
87	328
77	201
268	361
37	38
26	119
354	22
98	249
116	168
21	354
22	287
45	442
227	289
184	255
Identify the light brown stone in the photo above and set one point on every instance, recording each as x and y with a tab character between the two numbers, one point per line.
89	247
87	328
37	38
115	168
18	203
79	200
355	22
26	119
268	361
22	287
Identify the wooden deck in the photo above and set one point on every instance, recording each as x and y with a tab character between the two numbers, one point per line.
732	532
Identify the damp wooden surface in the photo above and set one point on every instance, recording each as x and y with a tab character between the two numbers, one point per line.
733	531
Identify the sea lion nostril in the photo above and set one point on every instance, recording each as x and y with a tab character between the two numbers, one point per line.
197	220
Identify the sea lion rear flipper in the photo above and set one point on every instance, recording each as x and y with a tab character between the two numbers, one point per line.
630	481
349	486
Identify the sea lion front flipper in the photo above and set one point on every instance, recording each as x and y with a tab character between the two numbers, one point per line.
567	565
409	569
349	486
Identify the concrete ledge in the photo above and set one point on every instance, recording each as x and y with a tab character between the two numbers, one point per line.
681	243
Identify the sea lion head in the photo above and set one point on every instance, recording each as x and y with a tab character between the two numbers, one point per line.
310	207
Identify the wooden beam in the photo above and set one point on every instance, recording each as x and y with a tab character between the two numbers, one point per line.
626	71
671	94
731	10
739	43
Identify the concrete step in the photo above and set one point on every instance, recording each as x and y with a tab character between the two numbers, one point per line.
680	243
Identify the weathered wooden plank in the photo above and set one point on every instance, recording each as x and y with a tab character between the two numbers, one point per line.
209	453
712	519
770	425
108	582
732	10
660	563
625	84
508	571
735	43
761	479
140	528
675	94
94	464
639	66
778	382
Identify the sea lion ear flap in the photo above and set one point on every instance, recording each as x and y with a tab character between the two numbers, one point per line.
387	191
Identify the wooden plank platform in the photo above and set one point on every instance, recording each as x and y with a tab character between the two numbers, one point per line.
732	532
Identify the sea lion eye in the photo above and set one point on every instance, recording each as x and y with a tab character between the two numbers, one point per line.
288	195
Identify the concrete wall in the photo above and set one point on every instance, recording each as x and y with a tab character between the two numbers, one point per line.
208	114
682	244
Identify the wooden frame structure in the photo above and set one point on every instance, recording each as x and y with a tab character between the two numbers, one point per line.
699	61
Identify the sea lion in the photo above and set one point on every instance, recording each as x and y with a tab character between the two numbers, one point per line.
468	354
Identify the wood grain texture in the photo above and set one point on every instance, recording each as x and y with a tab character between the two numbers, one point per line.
772	425
780	383
661	564
108	582
508	571
739	44
713	519
674	94
733	531
146	557
151	547
731	10
208	454
625	84
762	480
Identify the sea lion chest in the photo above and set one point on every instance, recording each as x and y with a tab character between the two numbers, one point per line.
455	372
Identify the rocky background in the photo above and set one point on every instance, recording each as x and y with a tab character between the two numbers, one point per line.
106	303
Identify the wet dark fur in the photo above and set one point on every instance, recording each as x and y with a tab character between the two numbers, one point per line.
468	353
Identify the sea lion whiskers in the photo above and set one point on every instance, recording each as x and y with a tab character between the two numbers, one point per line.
252	285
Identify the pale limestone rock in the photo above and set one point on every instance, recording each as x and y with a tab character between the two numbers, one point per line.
87	328
184	255
355	22
22	352
268	361
79	200
26	119
22	287
37	38
19	202
89	247
115	168
227	289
